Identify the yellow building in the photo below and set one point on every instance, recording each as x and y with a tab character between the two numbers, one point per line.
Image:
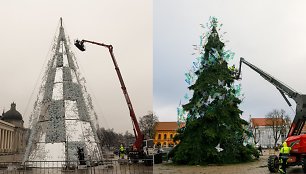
164	133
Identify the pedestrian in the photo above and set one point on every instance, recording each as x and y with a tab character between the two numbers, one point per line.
121	152
81	155
260	149
284	155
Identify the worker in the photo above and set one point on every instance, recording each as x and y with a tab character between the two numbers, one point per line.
260	150
81	156
284	155
121	151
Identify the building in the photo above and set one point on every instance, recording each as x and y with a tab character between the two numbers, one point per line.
164	133
12	132
262	129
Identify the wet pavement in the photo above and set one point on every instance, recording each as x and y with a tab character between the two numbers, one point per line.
256	167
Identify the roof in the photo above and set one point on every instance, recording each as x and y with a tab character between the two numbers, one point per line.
12	114
265	121
168	126
7	124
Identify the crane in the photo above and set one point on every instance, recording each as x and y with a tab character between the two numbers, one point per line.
295	139
136	151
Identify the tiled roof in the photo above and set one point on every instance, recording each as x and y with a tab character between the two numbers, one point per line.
171	126
264	121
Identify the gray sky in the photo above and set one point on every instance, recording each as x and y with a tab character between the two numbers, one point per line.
27	32
269	34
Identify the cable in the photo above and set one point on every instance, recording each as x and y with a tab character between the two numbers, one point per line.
92	94
41	71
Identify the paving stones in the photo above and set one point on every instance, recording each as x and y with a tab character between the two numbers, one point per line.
256	167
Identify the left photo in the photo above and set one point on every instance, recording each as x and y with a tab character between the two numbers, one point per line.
76	86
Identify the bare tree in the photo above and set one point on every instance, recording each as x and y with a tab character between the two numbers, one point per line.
147	123
287	123
279	122
254	130
110	139
255	133
129	138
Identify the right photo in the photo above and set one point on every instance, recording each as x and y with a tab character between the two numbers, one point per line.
228	86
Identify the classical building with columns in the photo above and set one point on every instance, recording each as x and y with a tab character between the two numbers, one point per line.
12	132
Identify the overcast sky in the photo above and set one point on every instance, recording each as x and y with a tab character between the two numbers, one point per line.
269	34
27	32
151	38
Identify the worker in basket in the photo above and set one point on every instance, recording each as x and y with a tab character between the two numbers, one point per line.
121	151
284	155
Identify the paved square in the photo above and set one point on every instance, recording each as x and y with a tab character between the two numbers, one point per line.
256	167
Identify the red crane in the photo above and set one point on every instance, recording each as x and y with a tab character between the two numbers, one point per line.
295	139
137	151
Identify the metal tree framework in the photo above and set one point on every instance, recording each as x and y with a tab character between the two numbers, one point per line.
63	117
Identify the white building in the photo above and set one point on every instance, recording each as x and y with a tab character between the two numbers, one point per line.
262	129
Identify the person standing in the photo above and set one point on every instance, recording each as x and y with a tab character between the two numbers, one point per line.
260	150
121	152
284	155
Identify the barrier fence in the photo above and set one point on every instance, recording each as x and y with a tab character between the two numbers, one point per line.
72	167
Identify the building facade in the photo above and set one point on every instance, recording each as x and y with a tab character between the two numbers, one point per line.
12	132
262	129
164	133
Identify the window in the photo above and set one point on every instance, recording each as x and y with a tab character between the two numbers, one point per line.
171	136
159	136
165	136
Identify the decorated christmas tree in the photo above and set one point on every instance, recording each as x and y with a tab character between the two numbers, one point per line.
214	130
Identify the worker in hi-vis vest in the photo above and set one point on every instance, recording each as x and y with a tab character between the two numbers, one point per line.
121	151
284	155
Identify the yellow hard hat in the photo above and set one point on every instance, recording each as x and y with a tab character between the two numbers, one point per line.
285	144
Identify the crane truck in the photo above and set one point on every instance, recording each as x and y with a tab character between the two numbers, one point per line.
295	139
141	148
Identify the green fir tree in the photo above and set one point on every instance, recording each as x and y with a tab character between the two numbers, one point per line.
214	130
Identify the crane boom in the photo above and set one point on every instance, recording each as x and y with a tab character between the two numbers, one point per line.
138	134
283	88
300	99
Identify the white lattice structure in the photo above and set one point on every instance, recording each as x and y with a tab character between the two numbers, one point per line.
63	117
